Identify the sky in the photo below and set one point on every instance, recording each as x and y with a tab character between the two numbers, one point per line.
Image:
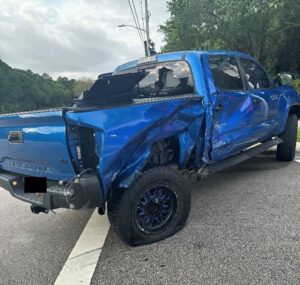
73	38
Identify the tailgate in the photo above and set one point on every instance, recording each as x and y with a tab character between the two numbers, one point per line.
35	144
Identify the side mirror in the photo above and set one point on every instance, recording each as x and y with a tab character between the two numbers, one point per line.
284	78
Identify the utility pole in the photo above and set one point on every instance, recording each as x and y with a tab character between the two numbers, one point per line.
147	28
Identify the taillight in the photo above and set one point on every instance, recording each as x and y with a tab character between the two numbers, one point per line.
83	147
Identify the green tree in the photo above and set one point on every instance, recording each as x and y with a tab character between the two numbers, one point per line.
82	84
24	90
267	29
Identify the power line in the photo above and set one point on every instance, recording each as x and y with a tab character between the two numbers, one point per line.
142	13
137	18
139	32
136	15
147	27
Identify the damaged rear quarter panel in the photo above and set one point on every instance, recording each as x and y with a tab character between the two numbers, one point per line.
125	135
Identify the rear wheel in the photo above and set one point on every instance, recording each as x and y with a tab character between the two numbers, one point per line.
154	208
286	150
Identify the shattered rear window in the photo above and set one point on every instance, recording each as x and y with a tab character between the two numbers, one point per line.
165	79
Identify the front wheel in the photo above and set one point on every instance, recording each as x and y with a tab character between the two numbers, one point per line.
154	208
286	150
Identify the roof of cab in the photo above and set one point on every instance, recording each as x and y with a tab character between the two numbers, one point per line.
180	55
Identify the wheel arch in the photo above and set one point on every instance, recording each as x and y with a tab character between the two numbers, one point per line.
163	151
175	150
295	109
158	154
173	144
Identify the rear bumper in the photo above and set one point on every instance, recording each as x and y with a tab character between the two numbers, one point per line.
83	192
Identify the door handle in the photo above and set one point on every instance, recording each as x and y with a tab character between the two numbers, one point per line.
256	101
15	137
219	108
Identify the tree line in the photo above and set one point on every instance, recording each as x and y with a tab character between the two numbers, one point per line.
267	29
23	90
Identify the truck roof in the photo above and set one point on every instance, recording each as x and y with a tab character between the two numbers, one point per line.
179	55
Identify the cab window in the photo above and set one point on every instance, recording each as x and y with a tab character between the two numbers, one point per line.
256	77
167	79
172	78
225	73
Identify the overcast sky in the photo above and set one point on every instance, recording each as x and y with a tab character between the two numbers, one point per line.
73	38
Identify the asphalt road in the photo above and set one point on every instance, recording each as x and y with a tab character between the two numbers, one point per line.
244	228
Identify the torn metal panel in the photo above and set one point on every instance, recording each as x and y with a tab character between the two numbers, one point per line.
125	135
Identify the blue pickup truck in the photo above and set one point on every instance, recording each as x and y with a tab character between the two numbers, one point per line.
135	136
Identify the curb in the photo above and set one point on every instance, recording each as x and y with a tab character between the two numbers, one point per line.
298	147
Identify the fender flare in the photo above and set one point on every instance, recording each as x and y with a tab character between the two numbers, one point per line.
295	109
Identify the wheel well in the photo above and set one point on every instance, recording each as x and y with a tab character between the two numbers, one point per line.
295	110
163	152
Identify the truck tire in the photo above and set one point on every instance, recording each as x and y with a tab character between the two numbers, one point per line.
286	150
154	208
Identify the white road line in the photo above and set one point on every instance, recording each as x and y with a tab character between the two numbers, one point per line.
81	263
297	160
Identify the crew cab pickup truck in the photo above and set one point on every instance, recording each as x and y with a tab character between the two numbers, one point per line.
135	136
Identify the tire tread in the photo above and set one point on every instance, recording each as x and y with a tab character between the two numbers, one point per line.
123	202
286	150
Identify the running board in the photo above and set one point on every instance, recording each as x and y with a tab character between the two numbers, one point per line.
244	155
